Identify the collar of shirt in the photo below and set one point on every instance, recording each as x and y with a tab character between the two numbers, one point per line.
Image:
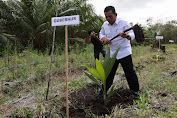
116	22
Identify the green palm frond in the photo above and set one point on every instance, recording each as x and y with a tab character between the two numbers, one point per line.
101	73
93	79
109	62
100	70
30	20
67	12
95	73
4	38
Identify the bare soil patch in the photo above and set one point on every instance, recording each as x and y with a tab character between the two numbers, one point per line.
88	98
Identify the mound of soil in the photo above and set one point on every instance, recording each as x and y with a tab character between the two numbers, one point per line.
88	98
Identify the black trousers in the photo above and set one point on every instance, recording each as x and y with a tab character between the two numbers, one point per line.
97	52
130	73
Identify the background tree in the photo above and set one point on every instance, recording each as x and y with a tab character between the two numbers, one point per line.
30	20
169	31
151	31
5	19
88	19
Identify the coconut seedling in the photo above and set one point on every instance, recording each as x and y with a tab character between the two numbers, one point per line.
100	74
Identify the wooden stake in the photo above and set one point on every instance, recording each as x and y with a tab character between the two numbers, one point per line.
53	43
66	60
50	69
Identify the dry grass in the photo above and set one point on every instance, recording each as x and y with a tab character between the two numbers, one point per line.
156	83
158	96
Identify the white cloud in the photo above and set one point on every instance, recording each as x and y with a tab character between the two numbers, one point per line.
139	10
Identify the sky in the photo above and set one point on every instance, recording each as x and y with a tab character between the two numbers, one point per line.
138	11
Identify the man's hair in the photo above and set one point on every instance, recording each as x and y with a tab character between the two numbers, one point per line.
108	8
89	32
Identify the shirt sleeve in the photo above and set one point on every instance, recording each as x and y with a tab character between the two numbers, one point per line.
131	33
102	32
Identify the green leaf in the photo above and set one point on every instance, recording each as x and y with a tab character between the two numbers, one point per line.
109	63
92	78
100	69
111	92
94	73
109	95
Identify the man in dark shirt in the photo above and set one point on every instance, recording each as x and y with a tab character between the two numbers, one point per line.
98	47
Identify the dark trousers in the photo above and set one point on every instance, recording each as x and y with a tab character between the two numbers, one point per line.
97	52
130	73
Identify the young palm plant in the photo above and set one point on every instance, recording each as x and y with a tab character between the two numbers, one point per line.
100	74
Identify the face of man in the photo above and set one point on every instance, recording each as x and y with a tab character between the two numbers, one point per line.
110	17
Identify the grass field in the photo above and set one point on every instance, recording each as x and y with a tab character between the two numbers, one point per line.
24	76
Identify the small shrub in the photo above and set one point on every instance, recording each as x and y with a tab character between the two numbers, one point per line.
101	73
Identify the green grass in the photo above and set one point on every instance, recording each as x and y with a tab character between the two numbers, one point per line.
154	77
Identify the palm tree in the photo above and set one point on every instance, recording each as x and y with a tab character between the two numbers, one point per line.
88	19
32	20
5	36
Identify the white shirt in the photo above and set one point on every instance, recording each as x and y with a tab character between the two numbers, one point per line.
109	31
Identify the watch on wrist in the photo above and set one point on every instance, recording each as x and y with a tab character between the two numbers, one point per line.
128	36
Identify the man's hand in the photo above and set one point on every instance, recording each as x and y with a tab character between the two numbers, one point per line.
125	35
105	40
91	34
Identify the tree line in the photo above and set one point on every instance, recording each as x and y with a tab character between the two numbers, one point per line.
168	30
24	22
29	21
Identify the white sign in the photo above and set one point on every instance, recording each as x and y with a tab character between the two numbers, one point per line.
65	20
171	41
159	37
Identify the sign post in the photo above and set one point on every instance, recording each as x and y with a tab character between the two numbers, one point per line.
159	37
59	21
171	41
66	68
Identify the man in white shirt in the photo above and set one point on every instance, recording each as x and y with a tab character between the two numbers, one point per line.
111	28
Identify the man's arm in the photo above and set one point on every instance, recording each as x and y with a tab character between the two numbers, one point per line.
90	37
129	35
95	37
103	37
125	35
